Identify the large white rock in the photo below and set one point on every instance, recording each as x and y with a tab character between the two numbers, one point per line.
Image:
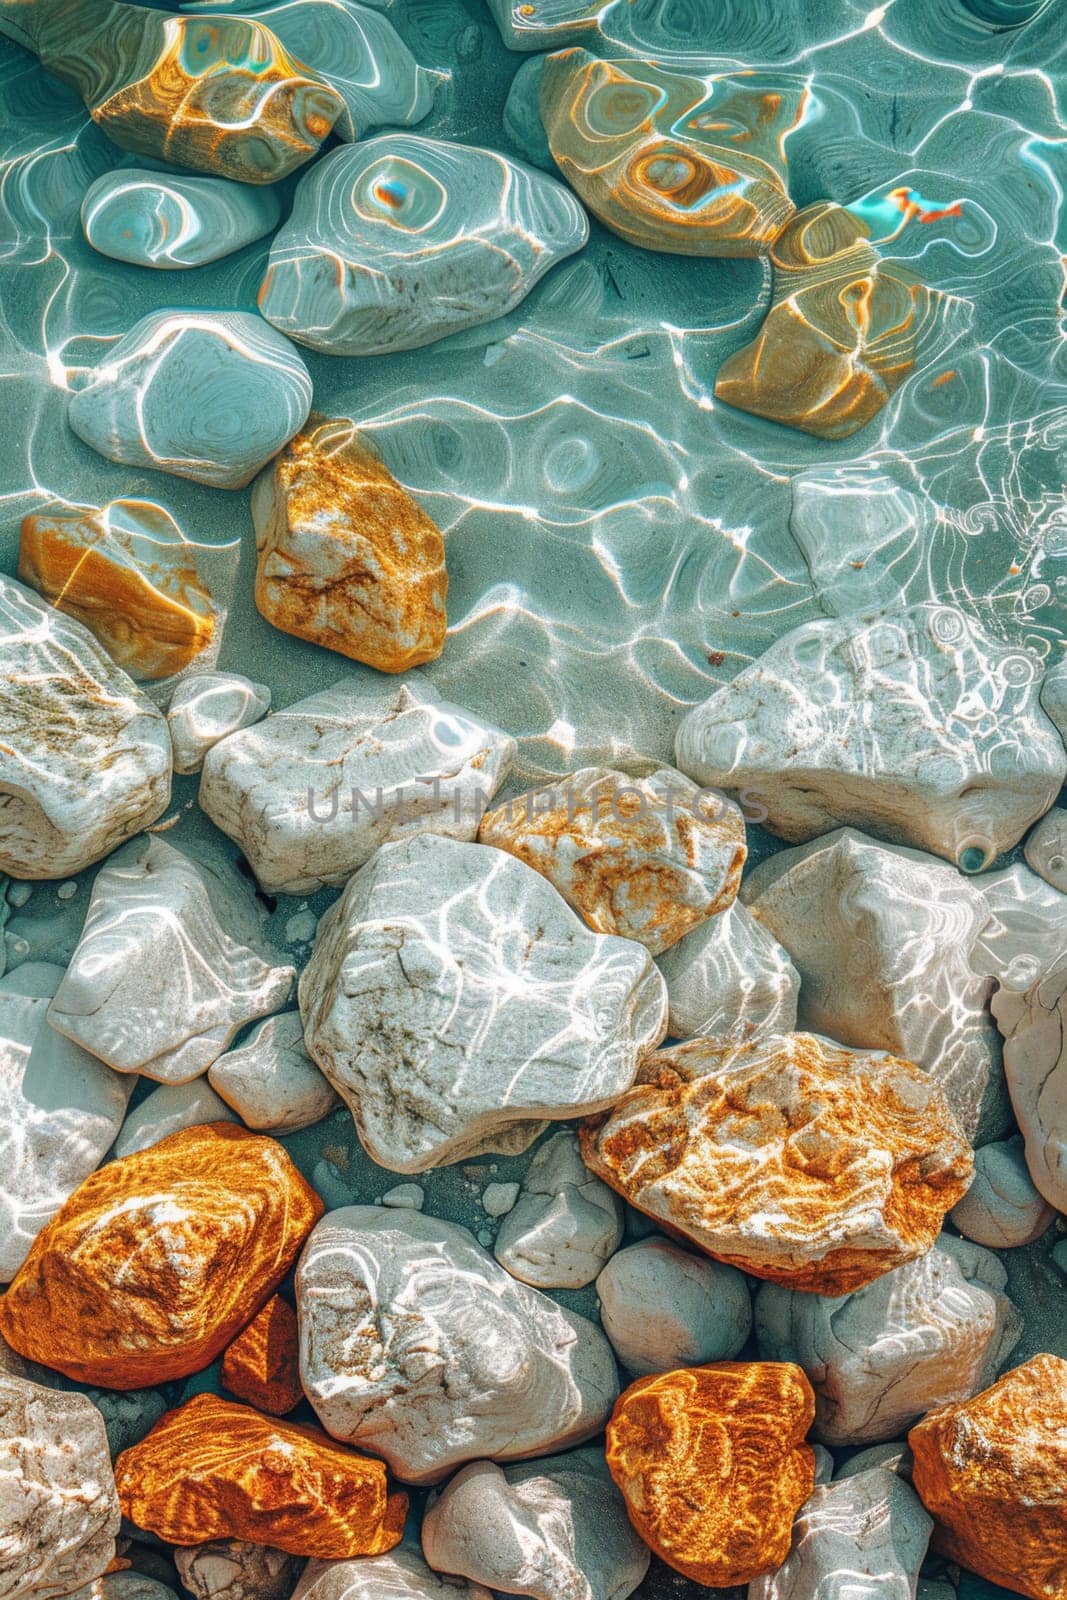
729	977
917	727
455	1002
1026	933
663	1307
60	1109
1046	848
166	1110
125	1586
555	1529
416	1346
209	707
400	1575
881	937
170	963
933	1331
1002	1209
565	1223
399	240
311	793
231	1569
84	754
271	1081
864	1537
59	1512
1034	1025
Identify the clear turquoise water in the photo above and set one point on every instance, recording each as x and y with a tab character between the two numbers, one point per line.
609	525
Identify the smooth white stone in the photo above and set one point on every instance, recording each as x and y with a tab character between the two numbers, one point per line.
499	1198
311	793
1034	1025
1002	1209
932	1331
566	1222
1046	848
207	395
84	754
125	1586
208	708
271	1081
416	1346
174	219
400	240
400	1575
1026	934
59	1512
916	727
455	1002
405	1197
864	1537
555	1529
60	1109
729	977
663	1307
231	1569
168	1109
881	937
170	964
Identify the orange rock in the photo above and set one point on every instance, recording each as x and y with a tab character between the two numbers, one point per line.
347	558
992	1472
213	1470
789	1157
713	1466
159	1259
128	573
262	1365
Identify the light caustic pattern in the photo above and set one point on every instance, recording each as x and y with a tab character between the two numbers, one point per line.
618	539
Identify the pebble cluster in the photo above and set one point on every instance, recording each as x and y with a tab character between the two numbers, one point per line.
739	1310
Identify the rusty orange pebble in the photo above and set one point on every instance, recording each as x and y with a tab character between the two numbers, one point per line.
213	1469
159	1259
992	1472
262	1365
712	1464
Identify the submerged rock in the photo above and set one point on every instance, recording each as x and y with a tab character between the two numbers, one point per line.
841	333
167	1110
547	23
645	858
207	395
673	160
346	557
233	1569
170	964
917	727
416	1345
311	793
791	1158
214	1469
156	600
662	1307
1002	1208
271	1081
1034	1025
867	1533
84	755
713	1466
1046	848
400	1575
60	1109
565	1223
882	937
218	94
992	1472
932	1331
397	241
158	1260
210	707
60	1509
456	1002
170	220
730	979
555	1529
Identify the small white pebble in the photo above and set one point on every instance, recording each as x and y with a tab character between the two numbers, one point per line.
300	929
66	891
406	1196
18	894
485	1238
498	1198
